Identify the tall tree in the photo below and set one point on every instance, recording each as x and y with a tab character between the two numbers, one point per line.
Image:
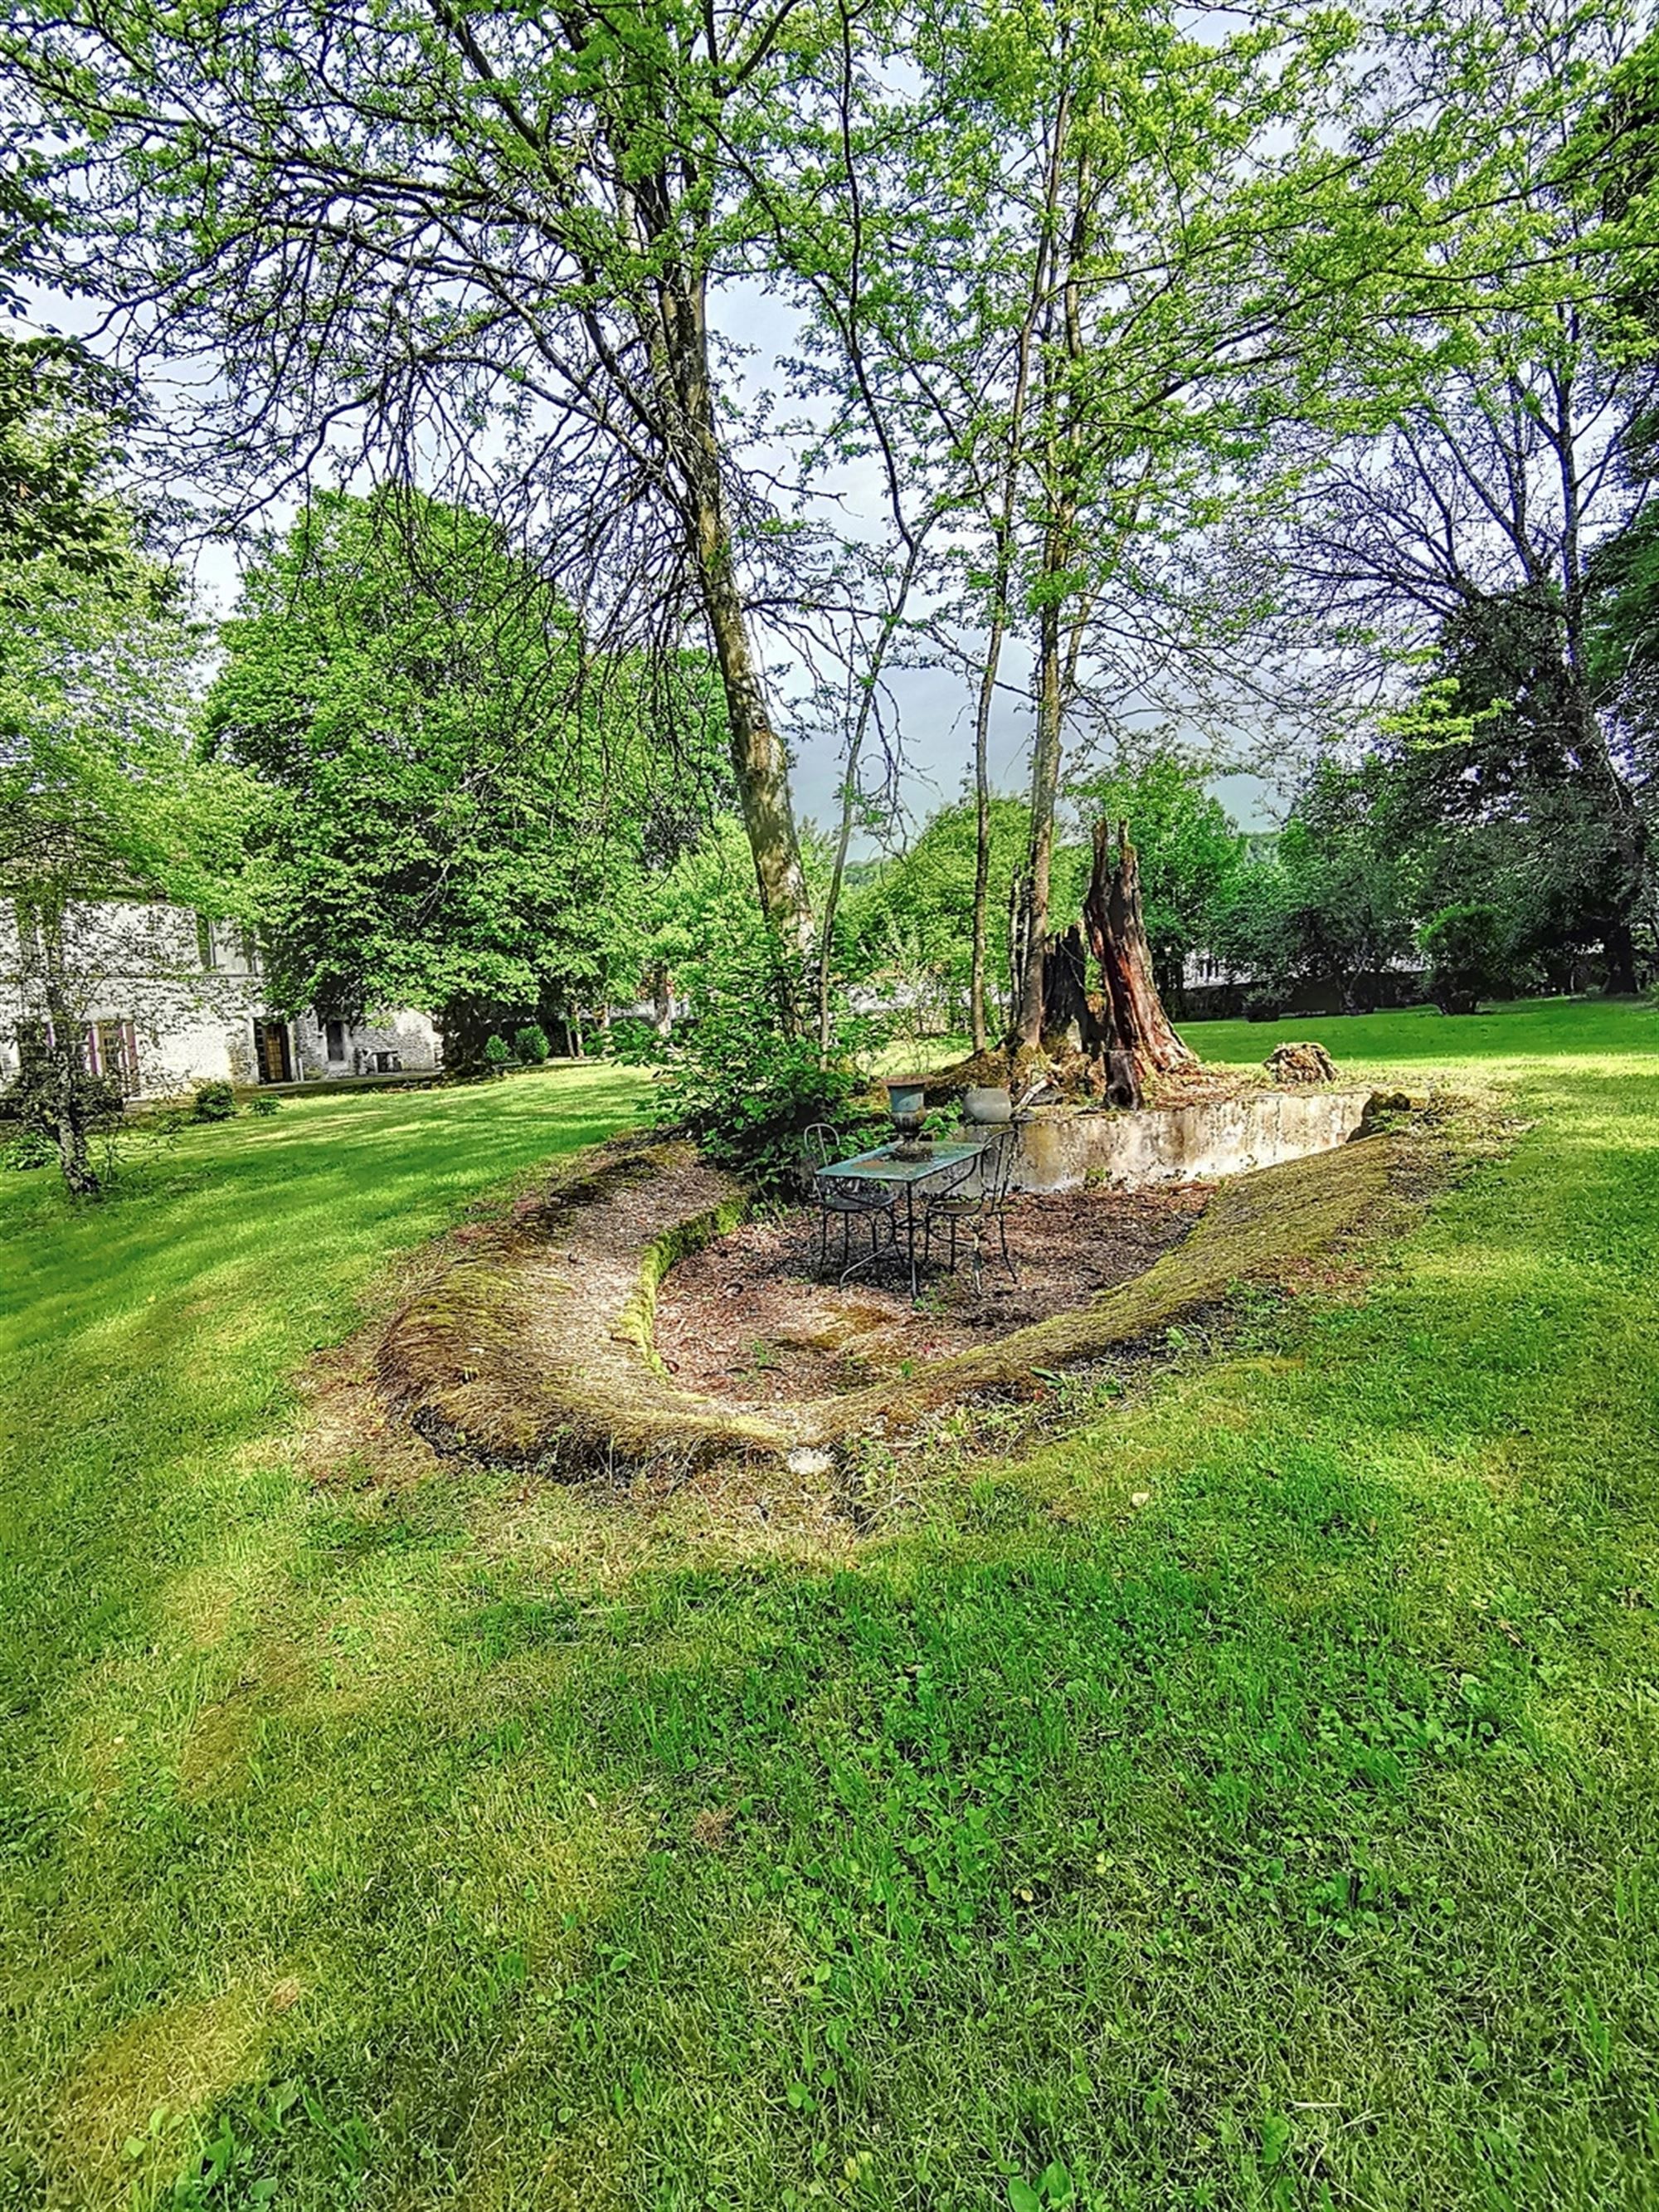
103	811
1457	525
397	224
460	816
1114	251
1470	534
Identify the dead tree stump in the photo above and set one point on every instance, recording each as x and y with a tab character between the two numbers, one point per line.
1121	1027
1137	1037
1300	1063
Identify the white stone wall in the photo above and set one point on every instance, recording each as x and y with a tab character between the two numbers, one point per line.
409	1035
1061	1149
193	1020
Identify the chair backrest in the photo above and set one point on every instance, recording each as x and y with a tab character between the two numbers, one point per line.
996	1170
819	1145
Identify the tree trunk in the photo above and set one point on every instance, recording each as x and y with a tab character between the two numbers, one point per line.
976	1028
676	345
758	766
466	1029
64	1094
1045	786
69	1119
1118	937
1013	461
1619	948
1017	947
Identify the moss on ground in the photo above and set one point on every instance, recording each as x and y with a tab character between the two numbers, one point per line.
534	1346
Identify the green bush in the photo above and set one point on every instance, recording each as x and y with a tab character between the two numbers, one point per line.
30	1147
530	1044
1465	946
264	1102
498	1055
213	1101
641	1043
734	1078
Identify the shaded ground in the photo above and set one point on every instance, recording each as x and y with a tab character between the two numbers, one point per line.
745	1319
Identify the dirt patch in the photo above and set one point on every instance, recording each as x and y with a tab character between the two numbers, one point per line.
745	1320
533	1341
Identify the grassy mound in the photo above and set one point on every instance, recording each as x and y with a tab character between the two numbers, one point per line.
531	1344
531	1341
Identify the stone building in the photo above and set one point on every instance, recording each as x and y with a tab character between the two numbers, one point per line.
167	999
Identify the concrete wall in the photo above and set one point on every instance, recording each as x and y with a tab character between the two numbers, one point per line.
1061	1149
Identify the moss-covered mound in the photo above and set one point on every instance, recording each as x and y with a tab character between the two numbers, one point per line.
532	1342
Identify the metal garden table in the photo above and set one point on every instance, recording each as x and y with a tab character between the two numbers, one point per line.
883	1166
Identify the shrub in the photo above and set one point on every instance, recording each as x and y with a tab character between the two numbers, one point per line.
736	1081
498	1055
639	1043
530	1044
264	1102
1465	947
30	1147
214	1101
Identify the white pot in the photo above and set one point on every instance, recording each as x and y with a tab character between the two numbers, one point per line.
988	1102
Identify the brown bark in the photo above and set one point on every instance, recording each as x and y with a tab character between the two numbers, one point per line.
1117	937
676	337
1003	575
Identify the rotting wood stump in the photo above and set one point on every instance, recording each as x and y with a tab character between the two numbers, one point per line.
1124	1034
1304	1061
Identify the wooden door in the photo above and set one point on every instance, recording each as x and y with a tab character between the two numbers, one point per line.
271	1053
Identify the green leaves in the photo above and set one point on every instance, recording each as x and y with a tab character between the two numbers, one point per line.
458	812
1053	2189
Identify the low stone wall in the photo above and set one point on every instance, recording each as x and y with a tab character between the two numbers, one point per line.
1061	1149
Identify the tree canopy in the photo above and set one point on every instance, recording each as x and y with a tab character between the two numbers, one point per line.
458	811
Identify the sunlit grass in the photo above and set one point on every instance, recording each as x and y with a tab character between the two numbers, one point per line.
1288	1838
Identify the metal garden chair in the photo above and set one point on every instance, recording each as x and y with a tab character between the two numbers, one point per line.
846	1198
986	1209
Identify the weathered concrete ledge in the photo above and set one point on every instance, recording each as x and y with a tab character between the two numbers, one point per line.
1062	1149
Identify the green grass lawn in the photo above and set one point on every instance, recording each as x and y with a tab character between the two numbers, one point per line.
1290	1838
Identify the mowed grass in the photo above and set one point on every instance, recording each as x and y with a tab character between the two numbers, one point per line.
1289	1838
